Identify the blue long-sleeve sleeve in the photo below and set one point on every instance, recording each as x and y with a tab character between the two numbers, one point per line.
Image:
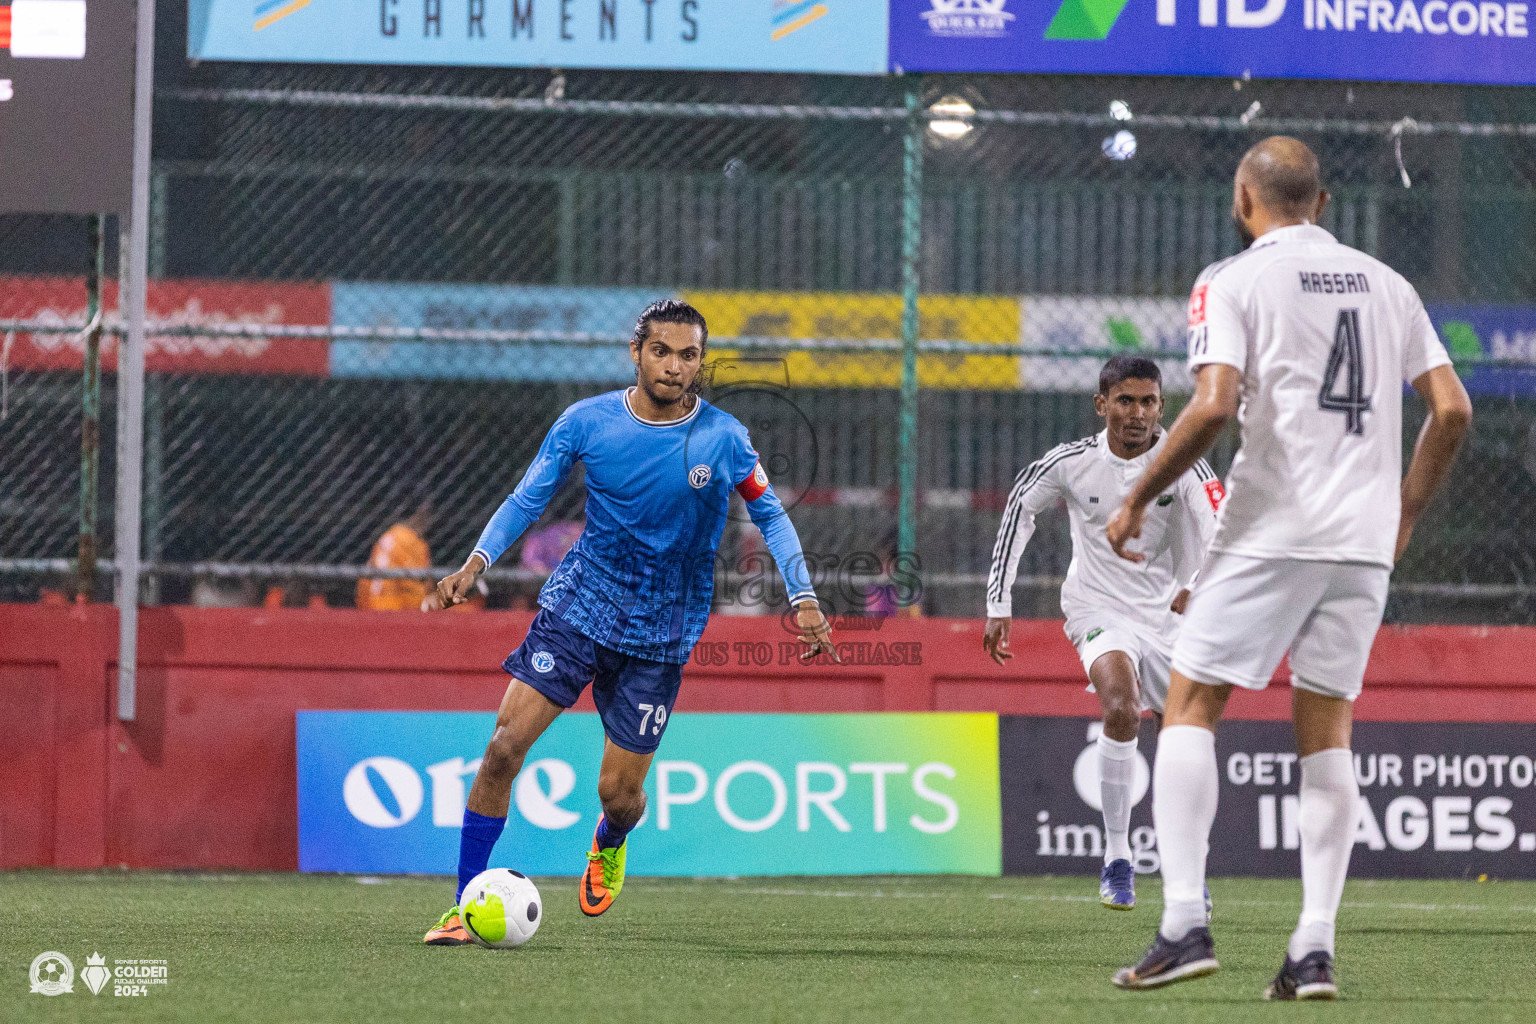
523	506
783	544
767	512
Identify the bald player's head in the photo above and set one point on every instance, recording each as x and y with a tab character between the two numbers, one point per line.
1278	183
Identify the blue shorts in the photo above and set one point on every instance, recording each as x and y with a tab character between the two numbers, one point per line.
634	696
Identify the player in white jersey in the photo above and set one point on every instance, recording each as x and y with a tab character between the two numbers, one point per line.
1307	342
1120	616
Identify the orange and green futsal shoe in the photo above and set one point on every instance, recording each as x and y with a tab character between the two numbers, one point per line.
604	878
449	931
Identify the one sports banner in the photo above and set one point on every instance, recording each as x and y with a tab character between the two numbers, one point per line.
824	36
728	794
1437	800
1383	40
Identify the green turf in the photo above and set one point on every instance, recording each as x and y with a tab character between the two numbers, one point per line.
326	948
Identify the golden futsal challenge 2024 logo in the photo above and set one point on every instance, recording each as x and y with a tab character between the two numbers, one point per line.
53	974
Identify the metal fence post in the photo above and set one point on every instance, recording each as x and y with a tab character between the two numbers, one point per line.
159	185
154	483
130	374
90	413
911	253
565	252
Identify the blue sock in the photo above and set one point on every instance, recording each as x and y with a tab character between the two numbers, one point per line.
479	835
609	835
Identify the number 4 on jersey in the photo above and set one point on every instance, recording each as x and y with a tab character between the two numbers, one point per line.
1346	357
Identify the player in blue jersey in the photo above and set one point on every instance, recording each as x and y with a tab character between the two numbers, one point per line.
624	608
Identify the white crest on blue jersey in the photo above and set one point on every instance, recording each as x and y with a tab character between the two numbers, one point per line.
698	476
542	661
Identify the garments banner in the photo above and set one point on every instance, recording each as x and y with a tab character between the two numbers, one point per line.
820	36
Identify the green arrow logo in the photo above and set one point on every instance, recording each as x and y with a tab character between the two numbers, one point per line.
1084	19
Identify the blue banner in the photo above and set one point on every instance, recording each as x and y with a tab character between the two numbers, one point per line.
1381	40
1491	332
563	314
824	36
728	794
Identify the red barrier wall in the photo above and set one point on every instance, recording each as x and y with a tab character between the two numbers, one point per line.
205	777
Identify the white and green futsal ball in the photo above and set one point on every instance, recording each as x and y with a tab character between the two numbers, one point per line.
500	908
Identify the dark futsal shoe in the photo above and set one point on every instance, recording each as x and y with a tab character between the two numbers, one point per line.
1117	885
1193	956
1311	977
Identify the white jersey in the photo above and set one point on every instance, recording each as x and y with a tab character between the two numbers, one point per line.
1094	481
1324	336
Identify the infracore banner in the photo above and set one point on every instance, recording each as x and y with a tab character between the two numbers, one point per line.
1380	40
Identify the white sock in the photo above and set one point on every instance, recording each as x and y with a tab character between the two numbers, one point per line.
1328	815
1117	774
1183	809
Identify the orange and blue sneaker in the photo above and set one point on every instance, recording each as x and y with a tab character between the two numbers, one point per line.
449	931
604	878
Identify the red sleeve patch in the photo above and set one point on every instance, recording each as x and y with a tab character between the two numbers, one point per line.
1197	305
1215	493
755	485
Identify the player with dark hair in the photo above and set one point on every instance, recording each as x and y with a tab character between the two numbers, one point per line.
624	608
1119	616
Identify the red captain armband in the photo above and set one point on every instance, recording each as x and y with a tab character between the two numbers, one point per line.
1197	305
1215	493
755	485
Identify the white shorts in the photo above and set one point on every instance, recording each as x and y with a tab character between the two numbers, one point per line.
1245	613
1096	635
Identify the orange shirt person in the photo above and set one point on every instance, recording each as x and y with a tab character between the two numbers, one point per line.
401	547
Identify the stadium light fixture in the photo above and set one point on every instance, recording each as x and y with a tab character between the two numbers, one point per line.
1120	110
950	118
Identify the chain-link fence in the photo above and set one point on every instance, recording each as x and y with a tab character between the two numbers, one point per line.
374	289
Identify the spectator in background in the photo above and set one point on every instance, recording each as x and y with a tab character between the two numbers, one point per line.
214	592
883	600
403	546
542	551
544	548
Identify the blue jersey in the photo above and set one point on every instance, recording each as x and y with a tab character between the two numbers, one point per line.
640	578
